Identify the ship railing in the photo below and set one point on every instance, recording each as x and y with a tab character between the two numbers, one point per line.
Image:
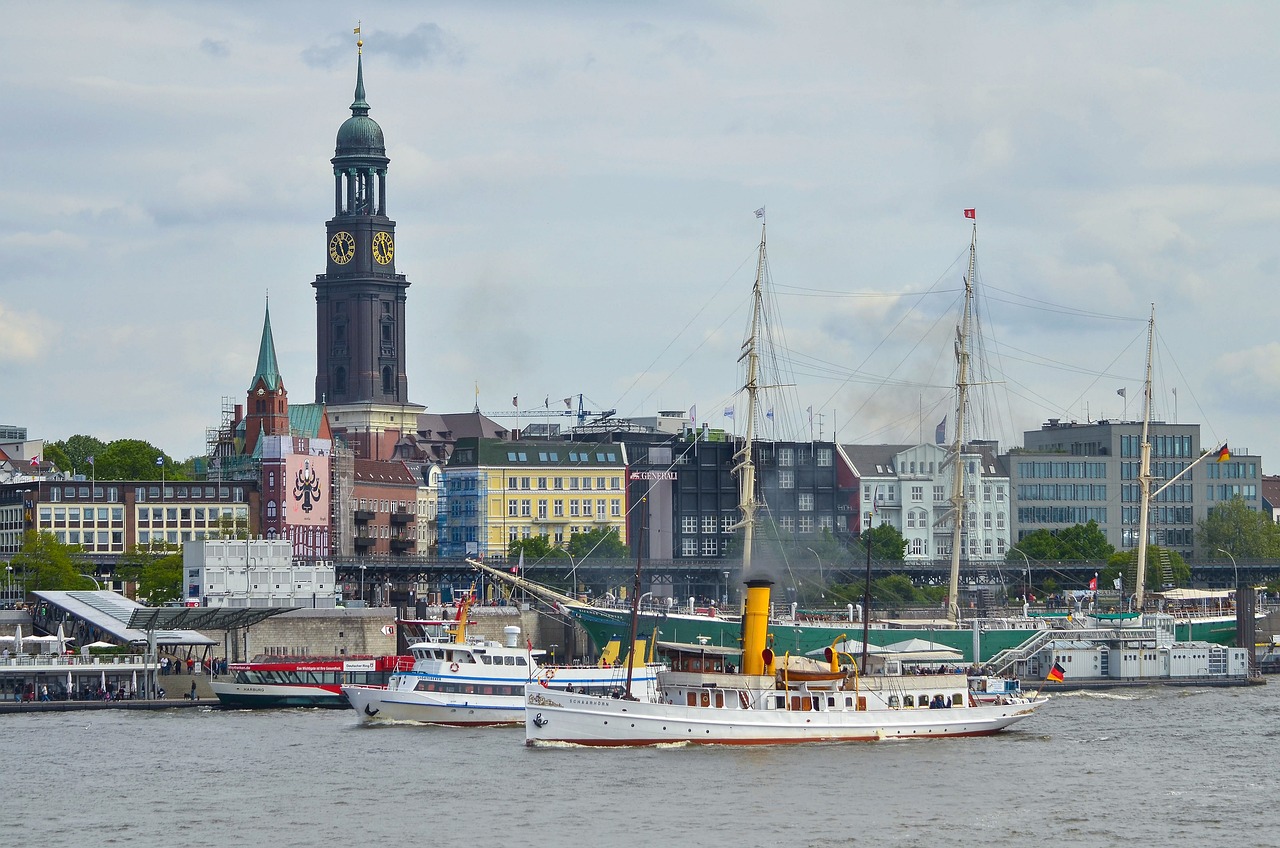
1002	662
73	661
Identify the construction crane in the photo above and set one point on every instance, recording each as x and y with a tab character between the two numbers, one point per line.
582	414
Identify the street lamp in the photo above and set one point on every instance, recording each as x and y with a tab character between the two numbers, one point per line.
362	568
1233	566
573	574
821	578
1027	594
726	588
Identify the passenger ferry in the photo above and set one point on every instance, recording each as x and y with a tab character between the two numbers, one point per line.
467	681
273	681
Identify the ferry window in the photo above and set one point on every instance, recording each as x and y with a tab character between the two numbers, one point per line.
780	702
520	661
422	686
831	702
908	701
957	699
893	702
510	661
484	658
848	702
691	699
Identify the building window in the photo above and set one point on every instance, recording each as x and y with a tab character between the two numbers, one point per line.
689	546
513	508
787	523
573	507
615	507
558	507
806	524
917	493
709	546
824	457
708	524
825	522
542	509
786	479
806	501
786	457
688	524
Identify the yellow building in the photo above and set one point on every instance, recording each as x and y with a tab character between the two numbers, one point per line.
497	491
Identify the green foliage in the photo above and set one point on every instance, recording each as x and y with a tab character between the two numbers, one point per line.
157	571
45	564
535	548
600	543
235	527
887	543
77	450
1080	541
1126	563
123	459
895	591
1244	532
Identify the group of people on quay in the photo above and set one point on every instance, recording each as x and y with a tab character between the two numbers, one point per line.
176	665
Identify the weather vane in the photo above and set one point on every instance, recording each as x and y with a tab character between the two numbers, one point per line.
359	41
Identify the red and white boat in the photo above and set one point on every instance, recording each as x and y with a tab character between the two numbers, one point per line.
270	681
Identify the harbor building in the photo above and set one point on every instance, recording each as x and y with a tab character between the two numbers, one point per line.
1069	473
909	487
255	573
497	491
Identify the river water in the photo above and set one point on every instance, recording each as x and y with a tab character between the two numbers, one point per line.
1160	765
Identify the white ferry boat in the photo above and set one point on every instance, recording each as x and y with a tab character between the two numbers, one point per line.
468	681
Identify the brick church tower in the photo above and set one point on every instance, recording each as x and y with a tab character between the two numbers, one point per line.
360	299
267	403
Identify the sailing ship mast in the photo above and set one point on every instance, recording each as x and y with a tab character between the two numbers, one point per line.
957	471
745	467
1144	469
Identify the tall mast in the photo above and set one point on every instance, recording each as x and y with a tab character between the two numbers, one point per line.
746	468
957	462
1144	469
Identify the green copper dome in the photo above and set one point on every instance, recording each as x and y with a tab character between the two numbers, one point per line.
360	135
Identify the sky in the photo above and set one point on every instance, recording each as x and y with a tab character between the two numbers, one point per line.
574	186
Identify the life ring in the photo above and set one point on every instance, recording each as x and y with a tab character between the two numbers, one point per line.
551	672
453	666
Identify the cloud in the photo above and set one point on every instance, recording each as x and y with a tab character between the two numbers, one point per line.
424	45
216	49
25	335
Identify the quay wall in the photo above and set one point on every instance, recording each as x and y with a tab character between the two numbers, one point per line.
371	630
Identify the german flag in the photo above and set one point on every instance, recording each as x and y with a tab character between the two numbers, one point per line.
1056	674
1224	454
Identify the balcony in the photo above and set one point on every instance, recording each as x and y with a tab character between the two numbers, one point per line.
401	517
363	515
402	545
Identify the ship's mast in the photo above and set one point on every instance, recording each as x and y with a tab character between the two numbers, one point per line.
745	467
957	448
1144	469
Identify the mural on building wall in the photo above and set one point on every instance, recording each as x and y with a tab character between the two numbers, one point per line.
308	490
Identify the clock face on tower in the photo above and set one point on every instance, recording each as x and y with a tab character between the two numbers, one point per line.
384	248
342	247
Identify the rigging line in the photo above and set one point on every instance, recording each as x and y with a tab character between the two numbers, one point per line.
918	299
905	356
1091	385
798	291
1068	309
688	323
1187	383
1064	311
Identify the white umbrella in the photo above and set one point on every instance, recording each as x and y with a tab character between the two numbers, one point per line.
62	639
69	684
17	638
104	679
134	687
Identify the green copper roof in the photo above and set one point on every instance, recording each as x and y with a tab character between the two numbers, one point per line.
268	371
360	135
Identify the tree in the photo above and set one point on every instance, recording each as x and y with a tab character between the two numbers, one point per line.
1126	562
76	451
1244	532
132	459
535	548
157	571
44	563
887	543
1080	541
600	543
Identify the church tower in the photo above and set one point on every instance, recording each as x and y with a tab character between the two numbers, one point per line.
360	299
267	403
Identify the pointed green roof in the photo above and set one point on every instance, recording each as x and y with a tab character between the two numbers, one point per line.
268	371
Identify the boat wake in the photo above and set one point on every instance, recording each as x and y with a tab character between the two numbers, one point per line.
1104	696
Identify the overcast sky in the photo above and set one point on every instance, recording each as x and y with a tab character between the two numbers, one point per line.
574	187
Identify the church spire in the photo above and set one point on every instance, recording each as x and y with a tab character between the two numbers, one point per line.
268	372
359	106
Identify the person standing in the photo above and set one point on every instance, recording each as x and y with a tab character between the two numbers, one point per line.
193	690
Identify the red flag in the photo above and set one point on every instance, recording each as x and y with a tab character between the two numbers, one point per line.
1056	674
971	213
1224	454
1093	584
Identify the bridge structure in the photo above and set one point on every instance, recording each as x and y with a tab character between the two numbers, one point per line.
720	579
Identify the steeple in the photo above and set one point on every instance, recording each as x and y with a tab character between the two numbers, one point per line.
268	372
359	106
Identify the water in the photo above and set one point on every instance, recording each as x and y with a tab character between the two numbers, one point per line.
1164	766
